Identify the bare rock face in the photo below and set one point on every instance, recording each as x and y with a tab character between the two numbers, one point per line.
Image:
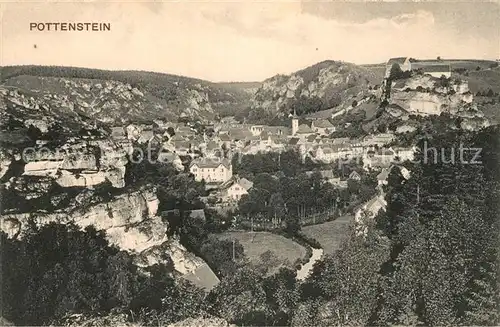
78	164
83	320
427	95
30	187
5	161
333	83
128	210
131	223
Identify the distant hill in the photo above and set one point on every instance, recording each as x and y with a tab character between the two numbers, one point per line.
328	85
103	94
249	87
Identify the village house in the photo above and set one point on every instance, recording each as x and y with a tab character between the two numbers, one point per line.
371	208
325	154
212	150
234	189
210	170
339	140
329	177
224	139
378	158
296	142
277	130
384	154
354	175
277	143
378	139
182	148
256	130
145	136
339	183
344	151
304	131
256	146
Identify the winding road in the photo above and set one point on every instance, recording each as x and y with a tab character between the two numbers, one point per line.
306	268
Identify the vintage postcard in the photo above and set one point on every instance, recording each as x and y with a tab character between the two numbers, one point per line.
249	163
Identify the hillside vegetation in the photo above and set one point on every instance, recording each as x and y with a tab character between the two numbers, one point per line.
153	95
325	85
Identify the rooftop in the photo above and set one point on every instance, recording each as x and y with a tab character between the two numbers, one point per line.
304	129
210	163
397	60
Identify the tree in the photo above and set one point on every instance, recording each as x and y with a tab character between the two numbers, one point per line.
219	255
483	301
283	295
239	298
304	105
344	285
59	269
395	72
277	204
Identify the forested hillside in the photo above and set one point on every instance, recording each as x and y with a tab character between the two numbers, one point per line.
153	95
432	258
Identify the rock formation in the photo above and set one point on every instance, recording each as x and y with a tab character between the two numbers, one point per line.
335	84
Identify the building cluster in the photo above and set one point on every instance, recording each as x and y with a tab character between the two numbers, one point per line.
435	68
207	152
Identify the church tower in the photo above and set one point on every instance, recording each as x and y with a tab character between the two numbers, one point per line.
295	123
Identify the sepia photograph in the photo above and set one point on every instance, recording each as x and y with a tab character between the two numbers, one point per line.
249	163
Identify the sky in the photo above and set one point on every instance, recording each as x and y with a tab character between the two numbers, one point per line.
246	40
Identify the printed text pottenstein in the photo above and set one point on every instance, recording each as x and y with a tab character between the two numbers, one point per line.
75	26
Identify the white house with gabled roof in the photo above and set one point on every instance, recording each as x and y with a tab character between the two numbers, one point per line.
211	170
234	189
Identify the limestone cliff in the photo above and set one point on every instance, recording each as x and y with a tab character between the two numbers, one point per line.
330	83
131	223
120	96
57	165
426	95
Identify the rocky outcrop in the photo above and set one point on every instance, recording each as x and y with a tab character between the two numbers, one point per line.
118	97
6	158
427	95
131	223
80	164
333	83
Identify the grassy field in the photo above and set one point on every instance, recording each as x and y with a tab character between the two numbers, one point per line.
281	250
329	234
484	80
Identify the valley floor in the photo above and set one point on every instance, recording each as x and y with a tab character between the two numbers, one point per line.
283	252
329	234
